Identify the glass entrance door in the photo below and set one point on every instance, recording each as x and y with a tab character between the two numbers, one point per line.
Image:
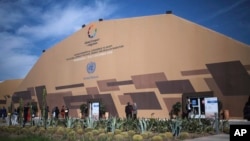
198	107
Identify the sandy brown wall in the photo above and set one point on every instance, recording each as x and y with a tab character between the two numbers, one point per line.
7	88
150	60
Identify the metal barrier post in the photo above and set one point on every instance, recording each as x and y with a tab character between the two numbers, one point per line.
216	123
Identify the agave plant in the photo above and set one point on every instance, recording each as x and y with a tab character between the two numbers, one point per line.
90	123
144	125
176	127
114	123
70	122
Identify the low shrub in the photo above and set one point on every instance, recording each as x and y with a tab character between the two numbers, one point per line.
118	137
184	135
157	138
137	137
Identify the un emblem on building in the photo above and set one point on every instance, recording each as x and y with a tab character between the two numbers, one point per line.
91	67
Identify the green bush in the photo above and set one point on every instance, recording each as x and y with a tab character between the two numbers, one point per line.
117	131
157	138
137	137
79	131
145	135
95	132
184	135
169	135
60	130
50	130
118	137
24	138
124	134
102	137
131	133
72	135
88	136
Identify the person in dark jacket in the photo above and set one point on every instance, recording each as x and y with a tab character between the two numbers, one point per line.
128	110
246	110
57	112
25	114
4	113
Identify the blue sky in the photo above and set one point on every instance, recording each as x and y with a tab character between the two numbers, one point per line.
29	26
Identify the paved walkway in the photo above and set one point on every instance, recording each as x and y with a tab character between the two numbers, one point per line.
218	137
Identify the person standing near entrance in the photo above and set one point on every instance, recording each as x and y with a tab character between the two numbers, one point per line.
246	110
4	113
128	110
66	112
25	114
63	112
189	108
134	111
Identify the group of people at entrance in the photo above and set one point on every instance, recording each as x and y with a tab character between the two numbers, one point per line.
64	112
131	111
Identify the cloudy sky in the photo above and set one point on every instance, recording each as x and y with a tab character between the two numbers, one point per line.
29	26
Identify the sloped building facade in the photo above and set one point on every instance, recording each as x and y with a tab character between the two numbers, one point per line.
154	61
7	88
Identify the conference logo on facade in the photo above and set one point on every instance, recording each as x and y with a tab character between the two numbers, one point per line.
92	31
91	66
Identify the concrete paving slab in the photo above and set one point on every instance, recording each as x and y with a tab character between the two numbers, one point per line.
218	137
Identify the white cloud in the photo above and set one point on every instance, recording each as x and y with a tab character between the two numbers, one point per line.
28	24
15	59
61	21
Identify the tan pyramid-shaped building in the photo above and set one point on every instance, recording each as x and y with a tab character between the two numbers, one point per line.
154	61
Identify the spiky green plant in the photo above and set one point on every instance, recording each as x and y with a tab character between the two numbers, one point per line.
130	124
44	109
90	123
176	127
114	123
70	122
144	125
21	111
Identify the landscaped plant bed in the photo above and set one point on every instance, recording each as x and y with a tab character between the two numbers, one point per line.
113	129
91	136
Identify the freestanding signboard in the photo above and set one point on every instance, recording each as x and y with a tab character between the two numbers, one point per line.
211	107
95	110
